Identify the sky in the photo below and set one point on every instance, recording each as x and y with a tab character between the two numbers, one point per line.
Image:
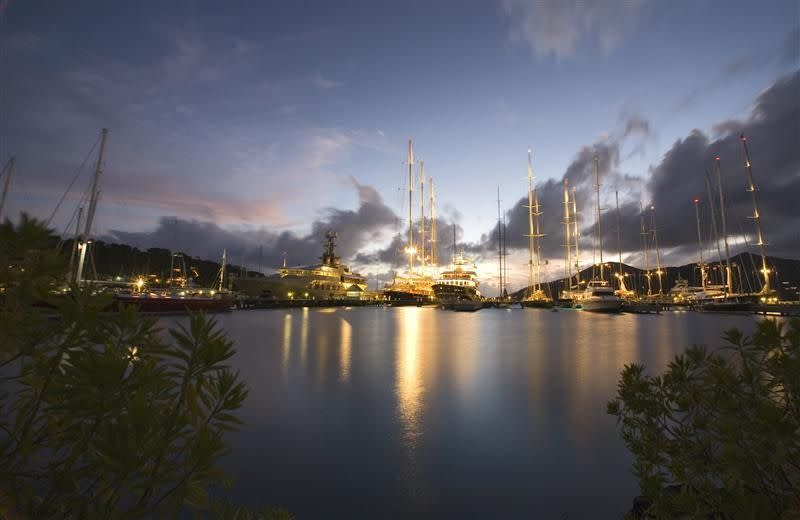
258	126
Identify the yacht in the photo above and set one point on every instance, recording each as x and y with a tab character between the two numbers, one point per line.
330	280
457	287
599	297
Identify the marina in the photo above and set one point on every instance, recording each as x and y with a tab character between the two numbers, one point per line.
422	405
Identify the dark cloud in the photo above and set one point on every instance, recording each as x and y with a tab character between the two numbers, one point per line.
773	134
355	229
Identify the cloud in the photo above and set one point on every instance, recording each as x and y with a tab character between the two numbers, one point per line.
772	130
355	228
558	28
322	82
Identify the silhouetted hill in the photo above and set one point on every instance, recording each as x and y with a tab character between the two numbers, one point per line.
785	276
112	260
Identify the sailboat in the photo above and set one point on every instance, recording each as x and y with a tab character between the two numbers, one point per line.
535	296
599	295
413	287
733	301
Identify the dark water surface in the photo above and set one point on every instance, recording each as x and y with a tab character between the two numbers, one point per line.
418	412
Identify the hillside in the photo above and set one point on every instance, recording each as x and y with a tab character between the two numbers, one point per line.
744	265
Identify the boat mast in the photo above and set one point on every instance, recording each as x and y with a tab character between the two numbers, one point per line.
531	233
538	237
410	250
619	242
9	171
499	242
434	255
92	207
658	253
645	234
222	270
75	241
576	235
597	212
712	204
505	257
703	277
567	222
728	272
756	215
422	211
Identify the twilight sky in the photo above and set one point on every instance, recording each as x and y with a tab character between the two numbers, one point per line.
246	124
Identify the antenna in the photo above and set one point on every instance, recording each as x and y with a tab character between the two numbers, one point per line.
703	280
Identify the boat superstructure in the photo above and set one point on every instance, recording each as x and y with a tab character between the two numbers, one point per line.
329	280
457	287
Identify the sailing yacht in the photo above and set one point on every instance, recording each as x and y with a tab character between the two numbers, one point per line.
598	296
413	287
535	297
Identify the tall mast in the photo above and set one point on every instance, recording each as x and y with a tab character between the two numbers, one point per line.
567	222
499	241
92	206
703	280
538	237
222	270
505	258
645	234
728	272
410	250
531	231
619	239
434	251
711	204
9	171
597	212
422	211
75	241
756	215
576	235
655	243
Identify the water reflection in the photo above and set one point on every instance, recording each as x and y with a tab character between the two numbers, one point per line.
409	383
287	342
304	337
344	350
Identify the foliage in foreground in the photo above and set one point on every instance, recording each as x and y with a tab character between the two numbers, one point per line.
718	435
104	415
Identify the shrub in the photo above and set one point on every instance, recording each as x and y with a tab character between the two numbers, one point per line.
718	435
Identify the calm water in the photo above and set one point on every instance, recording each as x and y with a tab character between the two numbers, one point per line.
401	412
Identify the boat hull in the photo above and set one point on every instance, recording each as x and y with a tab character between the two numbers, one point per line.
600	305
536	304
172	305
466	306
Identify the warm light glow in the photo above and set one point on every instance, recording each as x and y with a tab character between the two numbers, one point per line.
139	284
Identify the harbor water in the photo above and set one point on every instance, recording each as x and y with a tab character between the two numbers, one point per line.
417	412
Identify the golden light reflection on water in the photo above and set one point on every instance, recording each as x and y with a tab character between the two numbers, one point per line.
304	337
287	341
409	381
345	353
